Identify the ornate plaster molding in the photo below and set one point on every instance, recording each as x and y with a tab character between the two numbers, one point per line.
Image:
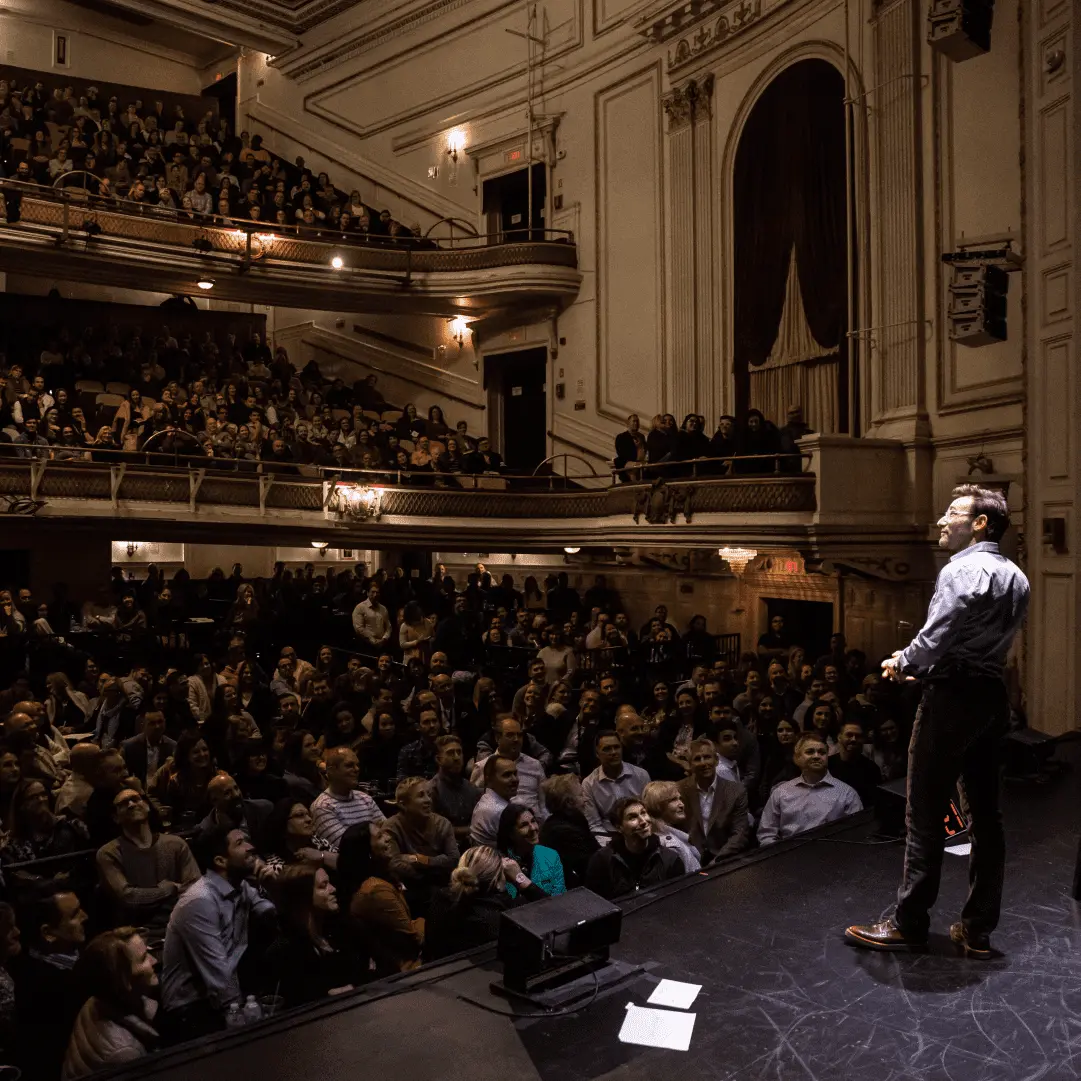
690	102
696	27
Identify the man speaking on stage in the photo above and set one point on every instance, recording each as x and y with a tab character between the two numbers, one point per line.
979	604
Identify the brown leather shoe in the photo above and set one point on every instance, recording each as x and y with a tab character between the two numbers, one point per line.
970	944
884	935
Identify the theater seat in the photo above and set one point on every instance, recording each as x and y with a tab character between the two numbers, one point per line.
371	414
89	386
123	389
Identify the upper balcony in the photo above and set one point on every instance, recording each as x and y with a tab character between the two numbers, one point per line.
168	497
68	233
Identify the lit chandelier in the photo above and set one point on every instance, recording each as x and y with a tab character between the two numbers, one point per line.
737	558
356	501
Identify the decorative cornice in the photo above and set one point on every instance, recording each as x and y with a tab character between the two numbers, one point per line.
717	22
297	18
690	102
304	65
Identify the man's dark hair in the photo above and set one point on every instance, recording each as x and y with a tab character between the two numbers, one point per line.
214	843
604	733
619	809
988	501
43	909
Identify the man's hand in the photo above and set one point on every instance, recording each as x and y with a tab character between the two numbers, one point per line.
891	669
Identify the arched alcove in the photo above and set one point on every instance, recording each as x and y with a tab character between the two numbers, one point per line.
789	243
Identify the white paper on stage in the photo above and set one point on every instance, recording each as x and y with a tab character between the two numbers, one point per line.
657	1028
960	850
679	996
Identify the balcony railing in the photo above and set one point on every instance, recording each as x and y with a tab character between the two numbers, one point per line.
240	243
29	484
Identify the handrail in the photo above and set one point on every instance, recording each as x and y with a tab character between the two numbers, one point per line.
115	204
397	373
553	457
452	221
578	446
347	474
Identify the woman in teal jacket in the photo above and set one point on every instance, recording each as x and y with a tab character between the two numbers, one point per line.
541	866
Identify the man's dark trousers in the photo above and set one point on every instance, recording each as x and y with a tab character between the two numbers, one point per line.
956	737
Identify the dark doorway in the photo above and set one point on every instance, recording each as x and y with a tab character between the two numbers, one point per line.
806	623
16	564
520	380
224	90
506	204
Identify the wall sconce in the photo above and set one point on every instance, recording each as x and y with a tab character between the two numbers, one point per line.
356	501
132	548
572	551
455	145
459	328
321	547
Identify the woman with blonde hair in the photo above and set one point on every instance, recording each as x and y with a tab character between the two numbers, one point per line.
466	913
666	809
116	1023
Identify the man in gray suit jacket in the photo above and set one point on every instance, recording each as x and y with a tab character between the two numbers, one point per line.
147	752
717	821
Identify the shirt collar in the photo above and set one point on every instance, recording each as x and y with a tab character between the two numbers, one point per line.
828	781
624	772
972	549
223	886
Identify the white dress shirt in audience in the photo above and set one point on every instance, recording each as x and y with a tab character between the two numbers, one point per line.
797	806
601	793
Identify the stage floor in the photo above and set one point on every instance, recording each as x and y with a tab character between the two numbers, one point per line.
782	997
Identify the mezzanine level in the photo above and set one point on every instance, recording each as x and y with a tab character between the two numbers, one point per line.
249	502
71	234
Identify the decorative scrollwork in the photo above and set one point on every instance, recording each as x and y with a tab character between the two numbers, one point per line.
662	503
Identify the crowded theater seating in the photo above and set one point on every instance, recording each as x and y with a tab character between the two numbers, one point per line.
138	152
145	384
359	774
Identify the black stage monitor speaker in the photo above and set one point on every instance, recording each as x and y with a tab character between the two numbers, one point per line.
542	941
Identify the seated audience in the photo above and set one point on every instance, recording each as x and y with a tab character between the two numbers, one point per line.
288	838
665	805
312	956
718	821
518	839
377	901
566	830
509	737
143	872
147	752
48	994
610	782
424	849
635	859
201	962
812	799
342	805
116	1024
500	787
851	765
466	913
453	796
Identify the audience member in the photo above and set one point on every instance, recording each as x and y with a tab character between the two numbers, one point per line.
718	820
518	839
610	782
566	830
665	805
377	901
207	937
635	859
116	1024
812	799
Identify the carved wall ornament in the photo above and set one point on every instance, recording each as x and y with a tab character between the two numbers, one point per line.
730	23
887	567
663	503
690	102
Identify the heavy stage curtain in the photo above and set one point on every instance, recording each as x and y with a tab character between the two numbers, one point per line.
790	245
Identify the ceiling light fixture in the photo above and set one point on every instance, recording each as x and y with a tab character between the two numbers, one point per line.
337	262
572	551
205	284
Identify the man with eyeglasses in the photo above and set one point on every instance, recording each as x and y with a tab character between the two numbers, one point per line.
142	872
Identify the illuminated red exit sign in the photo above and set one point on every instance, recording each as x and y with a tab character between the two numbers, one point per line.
512	156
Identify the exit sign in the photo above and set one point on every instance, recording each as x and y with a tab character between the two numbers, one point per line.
512	156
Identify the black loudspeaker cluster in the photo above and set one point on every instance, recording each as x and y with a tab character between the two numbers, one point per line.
960	29
977	312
